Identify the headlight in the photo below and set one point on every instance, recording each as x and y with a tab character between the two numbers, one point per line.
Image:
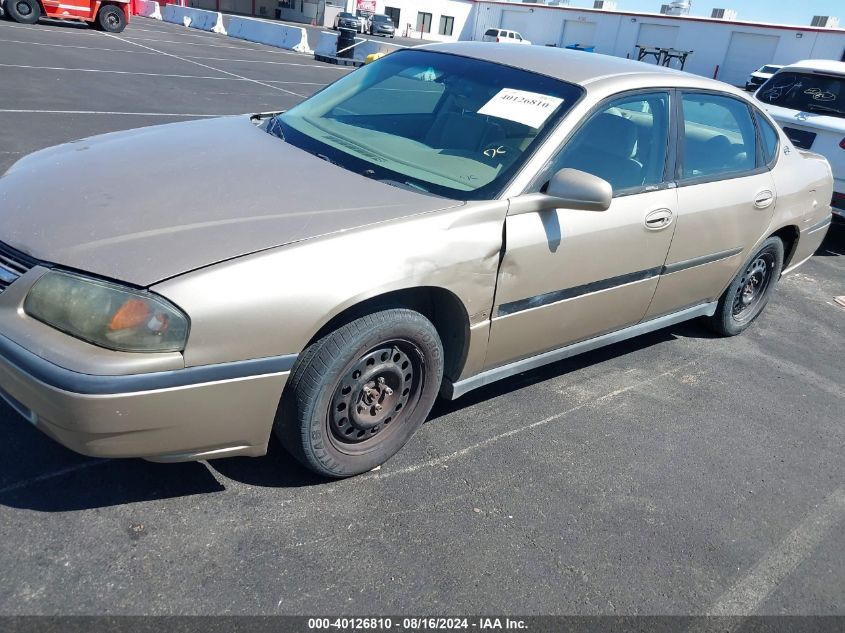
107	314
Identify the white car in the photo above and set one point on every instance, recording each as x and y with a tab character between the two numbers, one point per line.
808	100
503	35
761	76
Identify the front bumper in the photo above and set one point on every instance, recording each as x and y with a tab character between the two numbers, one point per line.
383	31
186	414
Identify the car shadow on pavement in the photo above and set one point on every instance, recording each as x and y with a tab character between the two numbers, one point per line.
277	469
689	329
37	473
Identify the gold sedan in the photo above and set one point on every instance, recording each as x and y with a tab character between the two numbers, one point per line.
440	219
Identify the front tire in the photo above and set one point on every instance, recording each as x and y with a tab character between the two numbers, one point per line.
23	11
750	290
111	19
358	394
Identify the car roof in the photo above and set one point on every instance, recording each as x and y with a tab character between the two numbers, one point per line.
578	67
819	65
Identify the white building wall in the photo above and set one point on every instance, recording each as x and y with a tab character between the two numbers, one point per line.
619	33
459	10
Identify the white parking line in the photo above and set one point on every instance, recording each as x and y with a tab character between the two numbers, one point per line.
316	66
749	592
191	61
129	72
164	114
89	48
119	72
533	425
52	475
240	48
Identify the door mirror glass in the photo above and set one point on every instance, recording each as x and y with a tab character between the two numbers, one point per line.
568	189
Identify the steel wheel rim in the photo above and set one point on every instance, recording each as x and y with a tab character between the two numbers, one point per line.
375	395
24	9
752	287
112	19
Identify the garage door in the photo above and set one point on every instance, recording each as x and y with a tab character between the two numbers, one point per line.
574	32
516	21
746	53
658	36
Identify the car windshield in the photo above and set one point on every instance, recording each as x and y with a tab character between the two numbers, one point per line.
347	15
438	123
381	18
769	70
808	92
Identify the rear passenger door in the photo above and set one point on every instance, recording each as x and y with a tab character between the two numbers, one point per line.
726	198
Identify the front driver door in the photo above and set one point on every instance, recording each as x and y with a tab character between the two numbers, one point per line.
571	275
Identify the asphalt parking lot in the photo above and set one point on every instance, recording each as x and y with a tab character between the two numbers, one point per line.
678	473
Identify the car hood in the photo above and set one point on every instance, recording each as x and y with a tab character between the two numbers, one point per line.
148	204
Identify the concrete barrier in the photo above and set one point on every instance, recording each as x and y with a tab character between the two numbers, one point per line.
326	45
280	35
326	50
195	18
360	52
148	9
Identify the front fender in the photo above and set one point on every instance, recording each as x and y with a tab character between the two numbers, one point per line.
273	302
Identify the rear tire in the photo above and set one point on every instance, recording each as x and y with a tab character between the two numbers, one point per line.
749	292
23	11
111	19
358	394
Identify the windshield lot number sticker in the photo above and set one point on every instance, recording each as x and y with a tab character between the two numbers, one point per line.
529	108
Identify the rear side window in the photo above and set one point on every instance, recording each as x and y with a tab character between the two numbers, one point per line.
808	92
719	137
770	139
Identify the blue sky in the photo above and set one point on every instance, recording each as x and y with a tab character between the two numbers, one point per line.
782	11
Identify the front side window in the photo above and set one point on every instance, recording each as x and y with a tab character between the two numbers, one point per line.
433	122
807	92
625	143
719	137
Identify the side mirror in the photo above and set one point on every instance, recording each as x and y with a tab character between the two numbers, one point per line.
568	189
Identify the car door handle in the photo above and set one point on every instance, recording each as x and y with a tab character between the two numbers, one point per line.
764	199
658	219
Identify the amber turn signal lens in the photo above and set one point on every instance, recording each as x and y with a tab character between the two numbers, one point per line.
131	314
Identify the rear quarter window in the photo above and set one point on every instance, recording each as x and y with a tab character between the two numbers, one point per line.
770	139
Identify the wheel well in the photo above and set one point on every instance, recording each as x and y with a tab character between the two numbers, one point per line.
440	306
789	236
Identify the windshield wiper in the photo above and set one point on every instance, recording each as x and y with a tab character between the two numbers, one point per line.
274	127
410	186
815	107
